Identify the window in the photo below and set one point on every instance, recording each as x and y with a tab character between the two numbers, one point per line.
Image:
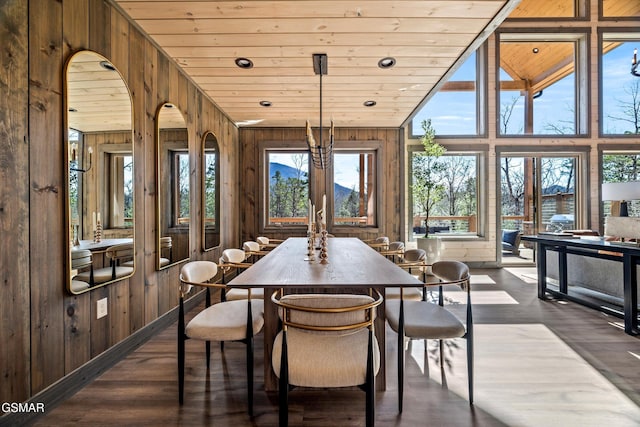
620	113
456	206
288	187
542	91
120	189
354	188
182	188
621	167
455	109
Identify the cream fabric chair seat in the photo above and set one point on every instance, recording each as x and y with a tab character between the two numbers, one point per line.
317	360
82	259
118	255
226	321
413	294
239	294
423	319
79	286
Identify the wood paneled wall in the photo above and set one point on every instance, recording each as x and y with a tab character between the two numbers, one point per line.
390	178
46	332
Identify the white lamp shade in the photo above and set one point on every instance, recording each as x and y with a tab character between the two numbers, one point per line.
621	190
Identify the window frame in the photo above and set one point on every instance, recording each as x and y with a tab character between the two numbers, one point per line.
267	147
582	71
176	155
106	181
601	34
481	152
355	147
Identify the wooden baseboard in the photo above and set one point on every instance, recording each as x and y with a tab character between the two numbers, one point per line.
73	382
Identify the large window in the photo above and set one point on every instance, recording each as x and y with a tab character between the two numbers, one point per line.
541	89
455	109
619	166
456	209
354	188
120	190
620	113
288	187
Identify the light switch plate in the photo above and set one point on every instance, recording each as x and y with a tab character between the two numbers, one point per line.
101	309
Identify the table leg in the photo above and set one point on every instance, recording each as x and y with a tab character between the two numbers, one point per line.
630	294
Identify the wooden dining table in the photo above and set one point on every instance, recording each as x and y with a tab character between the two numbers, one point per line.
353	267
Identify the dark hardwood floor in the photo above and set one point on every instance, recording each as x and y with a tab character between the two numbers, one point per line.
538	363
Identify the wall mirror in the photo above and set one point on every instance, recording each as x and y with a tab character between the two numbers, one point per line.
99	164
173	186
211	192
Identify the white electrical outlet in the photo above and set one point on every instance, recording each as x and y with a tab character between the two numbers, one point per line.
101	309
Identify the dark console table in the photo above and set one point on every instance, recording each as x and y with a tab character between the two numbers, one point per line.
596	249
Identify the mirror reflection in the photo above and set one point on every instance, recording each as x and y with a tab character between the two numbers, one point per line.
100	173
211	199
173	184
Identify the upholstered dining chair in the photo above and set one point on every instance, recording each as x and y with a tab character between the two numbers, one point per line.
117	255
393	250
235	260
326	341
223	321
253	250
267	243
166	248
81	259
379	243
414	261
428	320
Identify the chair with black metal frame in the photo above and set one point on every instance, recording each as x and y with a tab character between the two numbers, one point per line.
222	321
253	250
395	249
236	260
81	259
412	260
428	320
318	332
379	243
118	256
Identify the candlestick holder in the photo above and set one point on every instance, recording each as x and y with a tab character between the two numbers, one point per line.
323	245
97	234
311	243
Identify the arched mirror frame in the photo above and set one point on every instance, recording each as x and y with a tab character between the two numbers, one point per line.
96	234
169	162
210	220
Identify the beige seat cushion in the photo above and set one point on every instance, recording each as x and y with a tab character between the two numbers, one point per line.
326	360
238	294
424	320
226	321
78	285
102	275
413	294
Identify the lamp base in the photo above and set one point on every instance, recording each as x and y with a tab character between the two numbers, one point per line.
624	210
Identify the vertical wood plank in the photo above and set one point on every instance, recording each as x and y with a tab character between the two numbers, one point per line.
99	327
99	27
136	304
150	190
14	202
45	128
77	343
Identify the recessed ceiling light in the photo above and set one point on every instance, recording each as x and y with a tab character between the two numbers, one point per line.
535	50
107	65
387	62
369	103
168	105
265	103
244	63
72	110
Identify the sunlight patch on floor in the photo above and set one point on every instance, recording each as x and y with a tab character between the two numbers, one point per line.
482	279
481	297
526	376
526	274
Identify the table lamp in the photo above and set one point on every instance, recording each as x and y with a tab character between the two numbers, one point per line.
622	191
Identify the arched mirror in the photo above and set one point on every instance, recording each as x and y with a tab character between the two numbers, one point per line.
211	192
99	142
173	186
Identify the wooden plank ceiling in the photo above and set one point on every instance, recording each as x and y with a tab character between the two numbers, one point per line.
426	38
